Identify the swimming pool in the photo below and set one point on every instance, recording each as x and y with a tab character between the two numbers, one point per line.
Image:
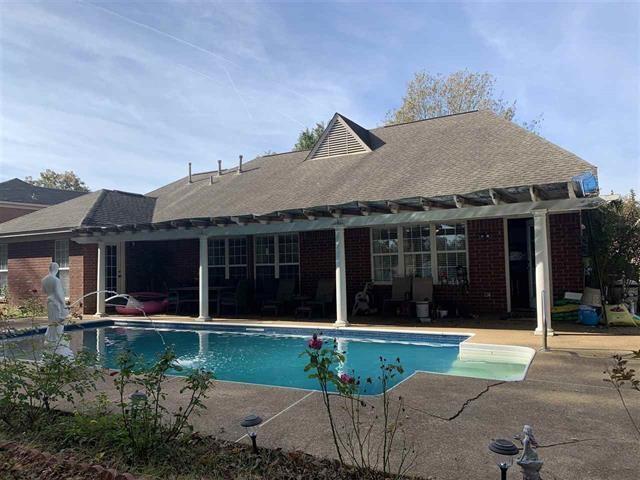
271	355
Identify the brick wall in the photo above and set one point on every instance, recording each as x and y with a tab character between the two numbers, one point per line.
89	276
566	253
358	252
317	259
487	291
29	263
154	266
8	213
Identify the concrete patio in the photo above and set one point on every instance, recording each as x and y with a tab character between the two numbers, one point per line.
578	419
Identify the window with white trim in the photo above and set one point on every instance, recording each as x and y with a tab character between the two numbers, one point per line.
227	259
61	257
416	245
277	256
4	270
451	245
384	247
419	250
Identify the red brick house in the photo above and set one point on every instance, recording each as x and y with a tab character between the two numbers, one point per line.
18	198
489	211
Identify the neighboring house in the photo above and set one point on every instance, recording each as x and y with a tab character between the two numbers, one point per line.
488	210
19	198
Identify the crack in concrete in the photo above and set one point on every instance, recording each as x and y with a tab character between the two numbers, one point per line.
462	408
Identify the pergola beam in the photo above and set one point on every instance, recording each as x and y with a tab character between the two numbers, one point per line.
499	197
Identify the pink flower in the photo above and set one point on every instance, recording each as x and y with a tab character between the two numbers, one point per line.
347	379
315	343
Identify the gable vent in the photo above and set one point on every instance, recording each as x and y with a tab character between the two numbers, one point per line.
339	140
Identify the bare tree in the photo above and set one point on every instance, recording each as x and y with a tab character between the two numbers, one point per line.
429	96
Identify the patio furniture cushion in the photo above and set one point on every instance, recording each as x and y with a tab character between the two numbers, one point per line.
422	289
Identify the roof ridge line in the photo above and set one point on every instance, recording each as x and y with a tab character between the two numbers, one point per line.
94	207
430	118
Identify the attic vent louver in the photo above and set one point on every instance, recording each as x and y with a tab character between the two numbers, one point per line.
338	139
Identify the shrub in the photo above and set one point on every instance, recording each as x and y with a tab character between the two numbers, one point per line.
356	438
145	418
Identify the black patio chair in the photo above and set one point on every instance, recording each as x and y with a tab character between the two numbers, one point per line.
284	295
238	299
325	294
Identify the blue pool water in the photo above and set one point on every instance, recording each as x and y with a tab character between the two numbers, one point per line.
270	358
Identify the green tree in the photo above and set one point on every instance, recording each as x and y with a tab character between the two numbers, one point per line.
67	180
308	137
614	239
429	96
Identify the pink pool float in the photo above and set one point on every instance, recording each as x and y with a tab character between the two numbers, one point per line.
147	303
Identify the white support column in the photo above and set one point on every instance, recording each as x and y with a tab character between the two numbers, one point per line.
341	279
543	271
101	281
507	263
203	273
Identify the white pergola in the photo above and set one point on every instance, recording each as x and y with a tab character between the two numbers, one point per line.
356	214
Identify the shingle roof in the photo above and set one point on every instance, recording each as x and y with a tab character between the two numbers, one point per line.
457	154
100	208
18	191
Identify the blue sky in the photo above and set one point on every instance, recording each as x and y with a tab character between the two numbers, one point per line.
127	93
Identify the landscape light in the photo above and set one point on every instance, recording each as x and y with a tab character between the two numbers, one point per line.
251	423
504	451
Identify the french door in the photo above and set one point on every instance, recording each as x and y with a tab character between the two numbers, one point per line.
114	267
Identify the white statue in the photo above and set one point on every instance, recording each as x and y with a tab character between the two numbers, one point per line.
529	461
57	312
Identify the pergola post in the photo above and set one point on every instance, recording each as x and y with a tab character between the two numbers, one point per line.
544	292
101	280
341	279
203	284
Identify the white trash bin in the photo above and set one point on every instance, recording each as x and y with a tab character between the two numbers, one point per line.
422	312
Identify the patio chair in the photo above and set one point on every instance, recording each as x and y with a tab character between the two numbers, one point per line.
284	294
325	293
400	291
238	299
422	290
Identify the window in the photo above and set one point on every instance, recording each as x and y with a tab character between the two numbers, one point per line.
61	257
411	250
451	245
416	240
277	256
4	270
385	253
227	259
265	258
288	256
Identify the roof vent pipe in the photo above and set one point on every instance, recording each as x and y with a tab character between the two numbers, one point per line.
240	165
190	181
210	179
219	167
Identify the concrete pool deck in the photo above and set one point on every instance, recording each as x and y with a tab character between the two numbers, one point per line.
578	419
